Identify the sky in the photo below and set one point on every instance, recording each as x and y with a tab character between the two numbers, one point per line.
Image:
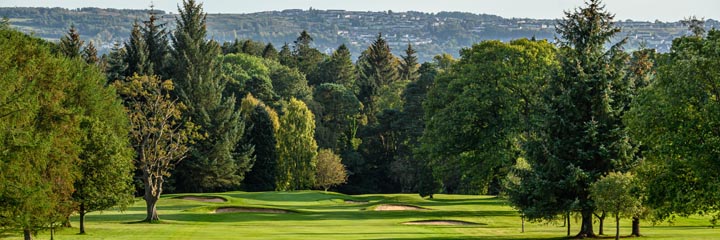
647	10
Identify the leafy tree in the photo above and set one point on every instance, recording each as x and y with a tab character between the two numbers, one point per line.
297	149
247	74
581	136
675	118
105	167
340	109
614	193
261	134
70	44
214	163
270	52
159	135
136	56
330	171
89	54
289	82
409	65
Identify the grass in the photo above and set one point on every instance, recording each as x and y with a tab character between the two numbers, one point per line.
321	215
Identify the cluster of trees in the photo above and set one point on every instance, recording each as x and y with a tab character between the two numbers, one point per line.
559	129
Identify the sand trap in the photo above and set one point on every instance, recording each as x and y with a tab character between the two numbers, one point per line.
397	207
204	199
440	222
355	202
249	209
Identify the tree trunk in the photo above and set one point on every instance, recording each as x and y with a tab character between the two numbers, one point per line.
601	220
586	229
27	234
82	218
151	203
567	219
153	189
617	226
636	226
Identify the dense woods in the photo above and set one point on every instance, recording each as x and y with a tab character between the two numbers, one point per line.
579	127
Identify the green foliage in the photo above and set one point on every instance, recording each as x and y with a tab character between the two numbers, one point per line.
247	74
616	193
409	65
115	63
89	54
338	69
215	162
70	44
263	124
297	149
377	68
676	119
136	56
329	171
154	35
270	52
339	110
480	108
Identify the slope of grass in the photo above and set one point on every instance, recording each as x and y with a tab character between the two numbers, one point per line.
321	215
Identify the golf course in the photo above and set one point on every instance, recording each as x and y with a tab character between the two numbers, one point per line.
328	215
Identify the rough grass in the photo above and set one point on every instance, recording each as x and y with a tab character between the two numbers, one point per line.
321	215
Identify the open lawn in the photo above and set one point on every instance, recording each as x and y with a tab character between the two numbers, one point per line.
320	215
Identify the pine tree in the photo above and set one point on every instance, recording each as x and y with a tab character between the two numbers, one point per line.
137	54
409	65
306	57
270	52
155	36
285	56
115	63
89	54
377	68
70	44
214	163
338	69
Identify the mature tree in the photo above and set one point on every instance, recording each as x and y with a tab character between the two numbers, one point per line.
247	74
340	109
106	166
270	52
307	58
116	65
338	69
478	110
409	65
70	44
297	149
43	98
263	124
330	171
377	67
214	163
159	134
581	136
615	193
676	119
285	56
158	48
289	82
136	56
89	54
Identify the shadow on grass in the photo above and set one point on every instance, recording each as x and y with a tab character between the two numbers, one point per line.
513	237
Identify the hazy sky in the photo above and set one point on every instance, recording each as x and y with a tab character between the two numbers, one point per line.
664	10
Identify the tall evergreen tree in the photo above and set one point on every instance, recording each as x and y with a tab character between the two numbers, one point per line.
89	54
581	136
214	163
270	52
70	44
338	69
307	58
285	56
115	63
377	67
155	36
409	65
136	56
263	124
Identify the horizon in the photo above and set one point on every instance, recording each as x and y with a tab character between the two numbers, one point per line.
662	10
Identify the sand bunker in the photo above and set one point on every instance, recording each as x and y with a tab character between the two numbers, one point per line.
440	222
204	199
355	202
397	207
250	210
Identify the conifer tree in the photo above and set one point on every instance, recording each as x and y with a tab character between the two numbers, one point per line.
377	68
270	52
285	56
338	69
89	54
214	163
70	44
137	54
155	36
409	65
263	124
115	63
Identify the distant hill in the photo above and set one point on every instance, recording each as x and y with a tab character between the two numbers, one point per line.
430	33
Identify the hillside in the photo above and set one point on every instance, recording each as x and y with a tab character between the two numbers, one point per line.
431	34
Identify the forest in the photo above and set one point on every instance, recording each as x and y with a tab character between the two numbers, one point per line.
579	127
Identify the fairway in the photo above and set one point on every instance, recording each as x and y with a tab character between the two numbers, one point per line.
321	215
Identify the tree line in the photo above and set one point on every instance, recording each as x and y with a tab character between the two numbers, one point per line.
573	128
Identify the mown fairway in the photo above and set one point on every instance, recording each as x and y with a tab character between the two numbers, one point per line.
319	215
